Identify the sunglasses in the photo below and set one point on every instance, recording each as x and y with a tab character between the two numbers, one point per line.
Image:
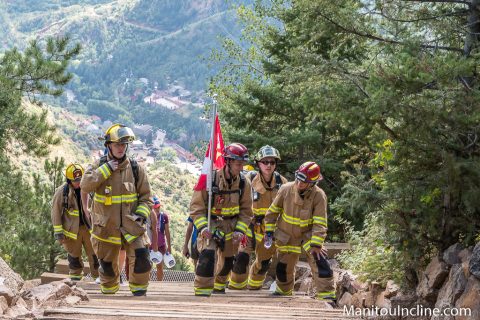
266	162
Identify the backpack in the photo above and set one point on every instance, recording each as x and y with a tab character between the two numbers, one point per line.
133	164
278	183
241	187
161	222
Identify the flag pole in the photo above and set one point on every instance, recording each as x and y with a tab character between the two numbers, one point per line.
210	170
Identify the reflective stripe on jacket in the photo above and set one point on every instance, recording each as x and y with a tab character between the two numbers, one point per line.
296	216
66	223
116	199
226	205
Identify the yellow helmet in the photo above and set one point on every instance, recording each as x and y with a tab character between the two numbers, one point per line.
248	167
119	133
74	172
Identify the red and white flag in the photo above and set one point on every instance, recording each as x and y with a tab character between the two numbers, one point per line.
218	161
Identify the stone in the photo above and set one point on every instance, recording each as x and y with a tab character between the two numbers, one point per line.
470	299
30	284
358	300
451	290
7	293
391	289
451	255
474	265
374	289
71	300
432	280
404	300
347	283
3	305
465	254
345	300
11	279
79	292
382	302
306	286
19	311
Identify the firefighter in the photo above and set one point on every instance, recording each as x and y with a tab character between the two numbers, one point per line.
265	185
297	219
230	216
121	205
71	224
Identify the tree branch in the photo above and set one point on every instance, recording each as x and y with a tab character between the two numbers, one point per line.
441	1
377	38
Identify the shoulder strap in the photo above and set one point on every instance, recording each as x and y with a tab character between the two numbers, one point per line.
134	165
278	180
103	160
65	196
242	184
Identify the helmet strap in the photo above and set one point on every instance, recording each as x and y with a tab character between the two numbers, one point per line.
111	154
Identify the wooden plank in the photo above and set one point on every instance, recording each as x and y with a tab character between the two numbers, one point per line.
176	315
62	267
48	277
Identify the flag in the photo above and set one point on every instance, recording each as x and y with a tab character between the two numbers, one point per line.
218	161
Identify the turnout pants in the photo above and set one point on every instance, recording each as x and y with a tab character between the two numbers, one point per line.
214	263
74	256
239	275
288	254
260	266
139	265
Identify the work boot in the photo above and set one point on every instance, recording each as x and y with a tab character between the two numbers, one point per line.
140	293
219	291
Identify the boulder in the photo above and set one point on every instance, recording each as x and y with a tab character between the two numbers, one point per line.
404	300
470	299
347	282
474	265
382	302
306	286
391	289
3	305
302	270
358	299
451	290
345	300
71	300
11	279
30	284
374	290
432	280
465	254
7	293
451	255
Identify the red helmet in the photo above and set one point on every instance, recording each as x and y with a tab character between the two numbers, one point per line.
236	151
309	172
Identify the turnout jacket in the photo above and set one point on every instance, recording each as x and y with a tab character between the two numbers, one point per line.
116	199
297	217
264	198
225	206
66	221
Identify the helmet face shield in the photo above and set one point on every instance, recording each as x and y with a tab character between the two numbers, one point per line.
74	172
267	151
236	151
309	172
120	134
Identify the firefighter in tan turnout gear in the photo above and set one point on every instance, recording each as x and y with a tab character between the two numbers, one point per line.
71	224
298	218
121	204
265	185
231	214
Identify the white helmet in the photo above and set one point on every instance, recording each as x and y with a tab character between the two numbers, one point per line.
156	256
169	260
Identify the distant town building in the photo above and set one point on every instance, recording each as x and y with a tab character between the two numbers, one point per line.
159	138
